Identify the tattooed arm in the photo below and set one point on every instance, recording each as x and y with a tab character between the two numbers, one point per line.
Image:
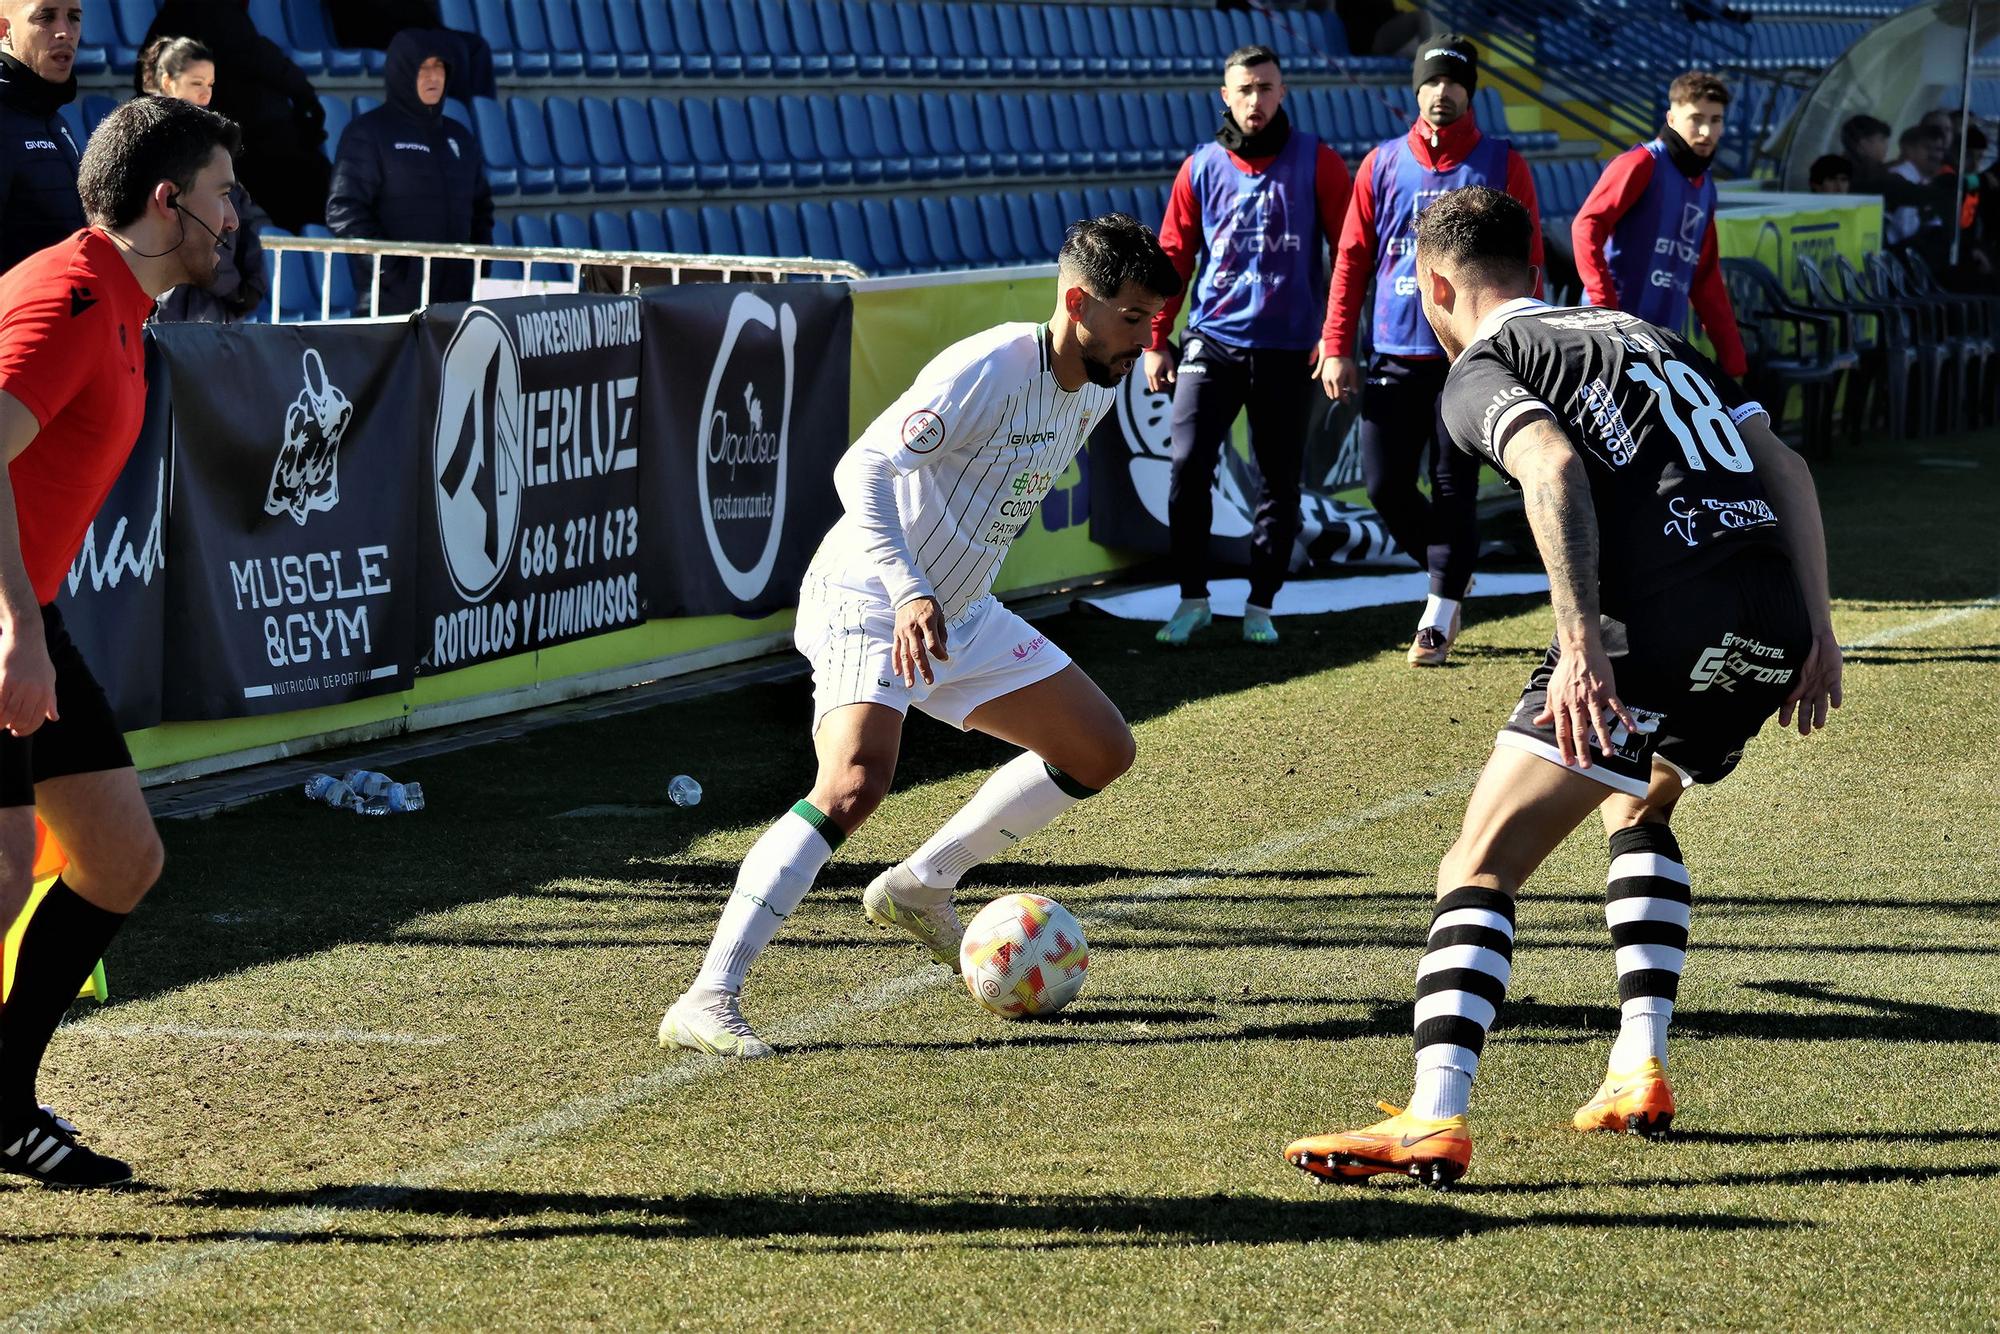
1556	490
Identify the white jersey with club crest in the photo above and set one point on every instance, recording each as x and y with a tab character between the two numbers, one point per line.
970	450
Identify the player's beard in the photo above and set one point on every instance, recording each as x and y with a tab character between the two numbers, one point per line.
202	263
1102	373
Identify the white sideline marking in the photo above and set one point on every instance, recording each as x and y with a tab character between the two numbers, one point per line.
278	1226
626	811
1904	631
293	1036
284	1225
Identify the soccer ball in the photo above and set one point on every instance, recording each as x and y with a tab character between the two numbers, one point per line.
1023	955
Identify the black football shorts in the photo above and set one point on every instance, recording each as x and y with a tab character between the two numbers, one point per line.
84	740
1701	668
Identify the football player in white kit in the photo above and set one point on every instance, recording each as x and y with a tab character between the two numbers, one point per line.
897	610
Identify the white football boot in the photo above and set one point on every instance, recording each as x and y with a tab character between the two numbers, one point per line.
896	898
712	1022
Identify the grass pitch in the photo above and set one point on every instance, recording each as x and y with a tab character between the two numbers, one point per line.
402	1072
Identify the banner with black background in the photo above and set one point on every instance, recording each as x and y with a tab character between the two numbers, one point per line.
531	473
292	555
747	416
114	602
314	513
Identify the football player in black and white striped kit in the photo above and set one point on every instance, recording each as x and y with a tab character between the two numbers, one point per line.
1687	568
897	610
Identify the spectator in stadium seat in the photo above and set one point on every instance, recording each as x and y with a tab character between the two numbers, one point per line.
1864	141
408	172
1261	202
284	127
39	205
1830	174
1645	237
183	68
1443	151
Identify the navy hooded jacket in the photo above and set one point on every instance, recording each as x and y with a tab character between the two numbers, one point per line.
408	172
39	205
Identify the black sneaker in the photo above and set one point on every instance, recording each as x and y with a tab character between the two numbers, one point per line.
46	1149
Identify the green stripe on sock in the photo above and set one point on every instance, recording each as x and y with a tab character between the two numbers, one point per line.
821	821
1067	784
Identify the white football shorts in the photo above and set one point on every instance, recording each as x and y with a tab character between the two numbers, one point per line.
846	627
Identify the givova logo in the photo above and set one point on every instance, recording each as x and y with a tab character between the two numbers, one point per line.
306	475
477	453
745	425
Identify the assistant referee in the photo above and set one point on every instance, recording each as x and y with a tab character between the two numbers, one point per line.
155	185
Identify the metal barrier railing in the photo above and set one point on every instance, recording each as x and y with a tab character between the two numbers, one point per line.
672	268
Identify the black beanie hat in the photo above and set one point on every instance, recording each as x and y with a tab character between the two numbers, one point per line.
1446	55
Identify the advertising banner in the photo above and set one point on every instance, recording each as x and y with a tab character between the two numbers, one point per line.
1131	463
529	473
294	516
114	602
745	419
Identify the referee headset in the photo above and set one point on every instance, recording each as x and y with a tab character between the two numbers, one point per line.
174	203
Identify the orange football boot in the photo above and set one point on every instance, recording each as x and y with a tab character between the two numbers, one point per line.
1434	1152
1637	1103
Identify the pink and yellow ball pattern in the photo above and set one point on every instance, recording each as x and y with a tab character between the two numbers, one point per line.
1023	955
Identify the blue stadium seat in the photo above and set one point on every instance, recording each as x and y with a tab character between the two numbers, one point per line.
714	166
913	240
891	143
877	20
610	231
739	142
608	148
829	144
96	106
295	293
496	148
767	139
963	224
268	16
1097	201
990	124
684	231
682	168
891	254
717	40
857	131
565	145
505	269
956	59
1182	131
968	134
1020	49
816	221
553	22
597	59
766	22
1018	121
933	113
908	18
499	35
649	231
1022	231
1045	130
1052	222
1122	34
753	231
985	38
948	248
809	165
788	239
834	24
534	53
1074	36
531	147
851	240
131	18
820	55
1072	205
532	230
671	55
718	231
337	115
572	232
614	30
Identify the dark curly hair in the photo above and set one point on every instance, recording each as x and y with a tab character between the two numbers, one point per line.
1106	253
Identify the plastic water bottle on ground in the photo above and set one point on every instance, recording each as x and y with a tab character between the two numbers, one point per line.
684	791
366	783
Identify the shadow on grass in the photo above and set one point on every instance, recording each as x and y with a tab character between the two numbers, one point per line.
859	1216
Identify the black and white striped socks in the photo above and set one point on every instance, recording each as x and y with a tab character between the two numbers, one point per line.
1646	902
1460	983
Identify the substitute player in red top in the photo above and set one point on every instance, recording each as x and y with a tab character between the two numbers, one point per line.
1398	180
155	184
1260	202
1645	238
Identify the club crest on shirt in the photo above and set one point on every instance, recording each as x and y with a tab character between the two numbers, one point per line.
923	431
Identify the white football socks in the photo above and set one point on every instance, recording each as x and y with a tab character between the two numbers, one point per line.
1022	797
779	869
1438	613
1642	1033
